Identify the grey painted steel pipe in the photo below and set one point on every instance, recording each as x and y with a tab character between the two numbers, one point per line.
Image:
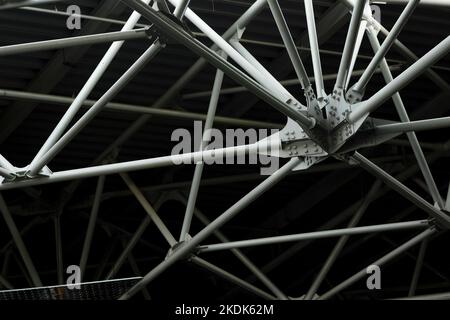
73	41
315	235
420	125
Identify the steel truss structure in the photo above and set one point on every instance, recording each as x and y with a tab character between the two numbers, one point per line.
327	125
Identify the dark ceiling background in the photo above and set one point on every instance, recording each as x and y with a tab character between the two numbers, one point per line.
304	201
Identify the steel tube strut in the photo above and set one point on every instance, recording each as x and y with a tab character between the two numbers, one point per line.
187	247
137	165
419	125
149	209
361	109
73	41
350	42
91	225
387	44
83	94
181	8
369	166
388	257
174	31
58	246
145	110
289	43
271	82
418	268
129	247
192	199
431	74
314	45
401	110
39	162
19	243
230	277
342	241
18	4
315	235
6	173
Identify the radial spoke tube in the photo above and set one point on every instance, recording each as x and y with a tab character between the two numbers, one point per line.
387	43
438	52
350	42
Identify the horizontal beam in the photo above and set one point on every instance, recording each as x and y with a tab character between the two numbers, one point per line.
434	296
73	41
316	235
25	3
420	125
132	108
288	82
437	3
136	165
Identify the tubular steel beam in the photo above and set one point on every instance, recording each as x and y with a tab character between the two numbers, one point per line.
132	108
289	43
16	49
193	193
350	42
315	235
386	258
59	246
26	3
149	209
419	125
187	247
314	44
36	280
418	268
137	165
401	110
230	277
91	225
